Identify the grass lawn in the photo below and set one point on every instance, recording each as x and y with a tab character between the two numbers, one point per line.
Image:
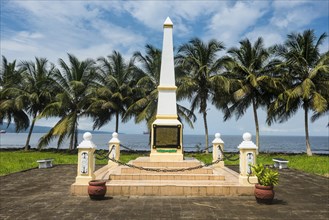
14	161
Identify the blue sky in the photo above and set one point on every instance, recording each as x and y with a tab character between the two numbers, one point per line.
90	29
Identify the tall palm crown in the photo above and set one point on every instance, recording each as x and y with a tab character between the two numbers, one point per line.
36	91
146	92
11	77
306	75
145	105
249	67
200	63
73	84
114	92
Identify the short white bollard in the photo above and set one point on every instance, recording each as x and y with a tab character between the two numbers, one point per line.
216	153
115	144
86	160
247	159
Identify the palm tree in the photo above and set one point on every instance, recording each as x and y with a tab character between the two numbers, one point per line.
146	95
306	75
73	84
323	85
113	94
146	90
200	63
249	67
10	77
36	90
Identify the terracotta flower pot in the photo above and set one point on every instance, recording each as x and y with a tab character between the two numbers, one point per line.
97	189
264	194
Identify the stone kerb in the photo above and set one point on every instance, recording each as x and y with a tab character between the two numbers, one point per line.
86	160
247	158
114	145
216	153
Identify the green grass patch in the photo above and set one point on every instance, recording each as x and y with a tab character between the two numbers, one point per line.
317	164
15	161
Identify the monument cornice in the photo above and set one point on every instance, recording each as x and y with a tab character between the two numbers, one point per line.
167	87
168	26
166	116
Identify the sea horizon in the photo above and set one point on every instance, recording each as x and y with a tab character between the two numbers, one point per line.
191	142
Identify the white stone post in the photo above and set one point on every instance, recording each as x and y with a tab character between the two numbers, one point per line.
216	153
115	144
247	158
86	160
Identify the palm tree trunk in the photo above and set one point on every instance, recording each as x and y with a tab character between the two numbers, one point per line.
206	130
76	138
308	146
116	122
27	144
256	125
72	139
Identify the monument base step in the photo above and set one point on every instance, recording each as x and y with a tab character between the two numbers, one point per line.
207	181
166	177
168	189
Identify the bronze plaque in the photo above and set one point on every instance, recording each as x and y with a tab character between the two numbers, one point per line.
166	136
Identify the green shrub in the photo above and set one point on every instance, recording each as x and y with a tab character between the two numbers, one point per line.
265	175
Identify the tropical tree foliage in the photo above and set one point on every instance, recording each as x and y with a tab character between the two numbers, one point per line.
146	93
10	77
113	94
249	68
36	91
146	90
73	82
306	79
201	64
113	88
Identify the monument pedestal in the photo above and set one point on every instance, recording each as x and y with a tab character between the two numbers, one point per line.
166	140
166	157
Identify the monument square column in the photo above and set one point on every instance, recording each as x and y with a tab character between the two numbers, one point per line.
167	130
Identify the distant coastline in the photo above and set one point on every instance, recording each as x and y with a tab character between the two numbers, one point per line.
41	129
140	142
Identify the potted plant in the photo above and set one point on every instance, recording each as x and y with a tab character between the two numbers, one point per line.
267	179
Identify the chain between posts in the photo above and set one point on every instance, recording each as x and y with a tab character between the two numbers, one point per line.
102	156
228	157
127	148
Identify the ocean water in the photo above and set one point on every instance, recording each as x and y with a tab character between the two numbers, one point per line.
286	144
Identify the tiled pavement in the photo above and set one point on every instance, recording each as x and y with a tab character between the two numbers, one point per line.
45	194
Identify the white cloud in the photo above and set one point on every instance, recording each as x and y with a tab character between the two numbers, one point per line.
183	13
292	15
269	35
74	27
89	29
229	23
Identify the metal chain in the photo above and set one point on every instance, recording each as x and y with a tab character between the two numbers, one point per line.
165	170
101	157
228	157
127	148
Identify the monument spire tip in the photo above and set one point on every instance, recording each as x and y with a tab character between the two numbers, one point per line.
168	23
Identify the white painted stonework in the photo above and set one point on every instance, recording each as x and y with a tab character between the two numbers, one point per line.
216	153
86	160
167	72
167	102
247	157
167	106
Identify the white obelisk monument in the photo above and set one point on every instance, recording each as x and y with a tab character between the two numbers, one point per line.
166	132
